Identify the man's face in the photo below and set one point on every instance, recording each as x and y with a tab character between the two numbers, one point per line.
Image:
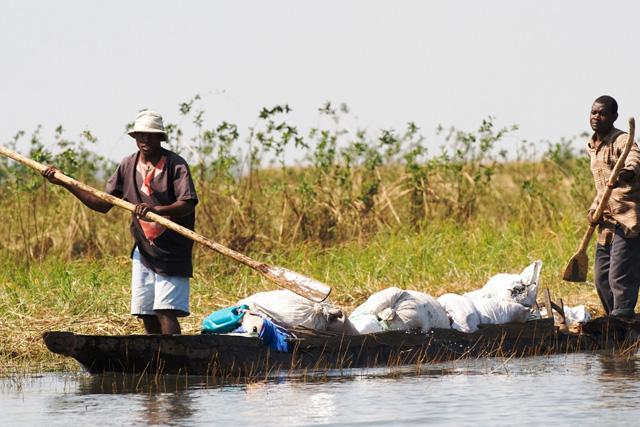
148	143
601	119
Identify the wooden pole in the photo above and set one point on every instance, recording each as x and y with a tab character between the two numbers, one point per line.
295	282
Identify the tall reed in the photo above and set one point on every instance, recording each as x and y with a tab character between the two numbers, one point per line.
347	185
359	210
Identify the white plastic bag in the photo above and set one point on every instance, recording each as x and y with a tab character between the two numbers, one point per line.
398	309
287	309
460	309
521	288
577	314
572	315
495	311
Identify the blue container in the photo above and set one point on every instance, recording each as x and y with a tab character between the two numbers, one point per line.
225	320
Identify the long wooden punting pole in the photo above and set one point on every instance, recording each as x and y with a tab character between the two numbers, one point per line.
295	282
578	266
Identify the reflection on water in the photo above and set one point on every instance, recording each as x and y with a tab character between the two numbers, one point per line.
620	379
159	409
614	368
586	389
153	384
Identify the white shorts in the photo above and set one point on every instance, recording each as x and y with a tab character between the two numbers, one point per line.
152	291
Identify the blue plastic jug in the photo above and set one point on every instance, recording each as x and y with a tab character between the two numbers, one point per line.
224	320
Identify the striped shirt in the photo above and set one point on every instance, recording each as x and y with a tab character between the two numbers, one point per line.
623	207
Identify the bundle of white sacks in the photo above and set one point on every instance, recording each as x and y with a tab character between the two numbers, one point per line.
390	309
397	309
289	310
505	298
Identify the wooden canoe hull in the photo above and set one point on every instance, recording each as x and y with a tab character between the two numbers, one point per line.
233	355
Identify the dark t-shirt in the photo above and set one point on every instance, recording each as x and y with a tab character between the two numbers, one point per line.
162	250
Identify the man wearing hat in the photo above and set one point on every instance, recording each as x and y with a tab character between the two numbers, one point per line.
155	180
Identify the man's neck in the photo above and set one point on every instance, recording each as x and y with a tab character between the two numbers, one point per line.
601	136
152	158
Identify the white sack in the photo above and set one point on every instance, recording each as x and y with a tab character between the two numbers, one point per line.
521	288
287	309
460	309
378	302
429	311
577	314
366	323
341	325
398	309
495	311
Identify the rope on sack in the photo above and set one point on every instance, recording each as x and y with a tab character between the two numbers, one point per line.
519	289
329	313
385	316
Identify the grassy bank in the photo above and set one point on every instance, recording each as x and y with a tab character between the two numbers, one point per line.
92	296
365	211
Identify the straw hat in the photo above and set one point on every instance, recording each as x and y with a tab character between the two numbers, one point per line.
148	121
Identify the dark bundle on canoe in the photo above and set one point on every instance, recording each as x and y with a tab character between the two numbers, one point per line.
237	355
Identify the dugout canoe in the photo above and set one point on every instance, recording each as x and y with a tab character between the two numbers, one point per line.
237	355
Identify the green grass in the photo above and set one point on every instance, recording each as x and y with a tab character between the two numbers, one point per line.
92	295
368	211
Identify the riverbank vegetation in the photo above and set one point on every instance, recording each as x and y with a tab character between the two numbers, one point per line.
360	210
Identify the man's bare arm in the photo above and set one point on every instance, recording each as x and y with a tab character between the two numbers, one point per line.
87	198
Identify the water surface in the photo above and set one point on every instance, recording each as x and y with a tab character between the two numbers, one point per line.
580	389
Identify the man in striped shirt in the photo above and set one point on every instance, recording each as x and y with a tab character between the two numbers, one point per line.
617	264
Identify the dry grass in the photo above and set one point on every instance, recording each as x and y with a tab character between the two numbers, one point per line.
360	221
93	296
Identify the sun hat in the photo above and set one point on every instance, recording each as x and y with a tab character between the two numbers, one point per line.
148	121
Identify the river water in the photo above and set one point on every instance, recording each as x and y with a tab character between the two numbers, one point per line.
576	389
